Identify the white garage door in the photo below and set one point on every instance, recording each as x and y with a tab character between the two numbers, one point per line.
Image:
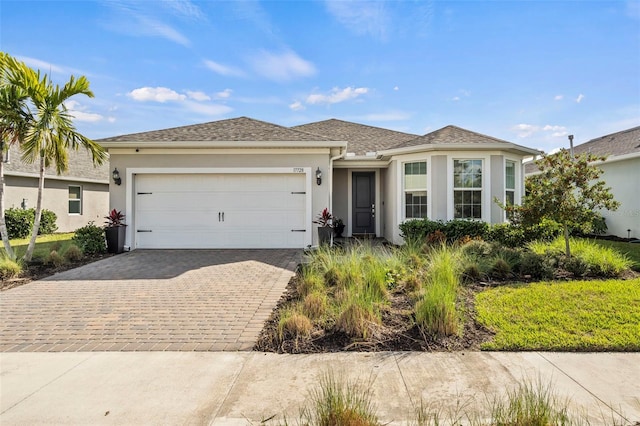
220	211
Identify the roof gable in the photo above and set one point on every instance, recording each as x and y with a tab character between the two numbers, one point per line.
450	135
234	129
361	138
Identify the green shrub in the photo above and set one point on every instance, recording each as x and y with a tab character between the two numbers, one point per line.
457	229
576	266
20	222
73	253
9	268
534	265
507	234
90	239
418	229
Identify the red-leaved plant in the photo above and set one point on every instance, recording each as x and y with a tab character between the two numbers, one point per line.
324	219
114	219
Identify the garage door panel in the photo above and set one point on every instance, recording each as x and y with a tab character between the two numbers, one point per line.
182	211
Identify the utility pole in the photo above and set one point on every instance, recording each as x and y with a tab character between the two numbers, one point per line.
571	145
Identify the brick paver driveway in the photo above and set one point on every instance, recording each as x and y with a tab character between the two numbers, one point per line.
149	300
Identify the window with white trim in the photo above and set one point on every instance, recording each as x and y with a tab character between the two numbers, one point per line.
509	184
467	189
415	190
75	199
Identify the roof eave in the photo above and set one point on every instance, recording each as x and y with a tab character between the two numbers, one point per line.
224	144
460	147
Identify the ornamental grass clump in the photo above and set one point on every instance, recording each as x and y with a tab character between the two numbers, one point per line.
9	268
436	309
293	324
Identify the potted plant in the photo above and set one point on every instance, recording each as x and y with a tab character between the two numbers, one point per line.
325	229
338	227
115	231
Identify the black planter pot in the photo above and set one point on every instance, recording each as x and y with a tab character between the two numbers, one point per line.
338	230
324	235
115	238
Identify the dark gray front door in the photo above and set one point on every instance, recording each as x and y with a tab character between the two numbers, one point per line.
364	199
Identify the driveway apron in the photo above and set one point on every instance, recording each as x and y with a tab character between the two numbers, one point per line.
149	300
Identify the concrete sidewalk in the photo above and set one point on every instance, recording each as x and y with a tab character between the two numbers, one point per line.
241	388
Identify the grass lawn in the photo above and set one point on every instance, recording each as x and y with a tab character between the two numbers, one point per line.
44	244
563	316
632	251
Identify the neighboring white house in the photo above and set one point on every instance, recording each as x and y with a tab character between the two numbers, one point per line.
621	173
77	197
245	183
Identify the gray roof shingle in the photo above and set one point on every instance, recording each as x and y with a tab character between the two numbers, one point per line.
360	137
450	134
233	129
619	143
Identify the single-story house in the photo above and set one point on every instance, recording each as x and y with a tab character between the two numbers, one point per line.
621	173
77	197
245	183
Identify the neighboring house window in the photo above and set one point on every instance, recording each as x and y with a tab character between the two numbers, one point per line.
415	190
510	184
75	199
467	189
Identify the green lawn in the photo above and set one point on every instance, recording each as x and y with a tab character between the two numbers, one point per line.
563	316
44	244
632	251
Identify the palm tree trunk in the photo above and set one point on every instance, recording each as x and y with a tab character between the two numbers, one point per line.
36	221
566	240
3	225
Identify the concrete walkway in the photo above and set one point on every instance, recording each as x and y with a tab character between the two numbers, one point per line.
149	300
243	388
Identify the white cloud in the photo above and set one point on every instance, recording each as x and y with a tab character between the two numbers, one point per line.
207	109
337	95
528	130
297	106
283	66
362	18
80	112
223	69
198	96
558	97
111	119
153	27
47	67
184	8
226	93
396	88
580	98
455	98
155	94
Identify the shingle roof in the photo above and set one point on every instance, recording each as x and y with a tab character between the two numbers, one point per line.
360	137
234	129
619	143
450	134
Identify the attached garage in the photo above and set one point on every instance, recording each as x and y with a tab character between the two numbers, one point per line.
223	209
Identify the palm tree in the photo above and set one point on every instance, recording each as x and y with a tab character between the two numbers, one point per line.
50	134
14	120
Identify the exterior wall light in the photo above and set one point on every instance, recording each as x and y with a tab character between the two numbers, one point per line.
318	176
116	176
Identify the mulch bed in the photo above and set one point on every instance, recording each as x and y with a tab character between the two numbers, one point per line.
37	270
396	333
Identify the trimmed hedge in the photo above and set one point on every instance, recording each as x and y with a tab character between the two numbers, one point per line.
20	222
505	233
90	239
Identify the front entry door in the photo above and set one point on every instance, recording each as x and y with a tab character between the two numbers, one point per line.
364	201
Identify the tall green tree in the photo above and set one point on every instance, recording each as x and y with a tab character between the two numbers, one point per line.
14	121
50	134
567	190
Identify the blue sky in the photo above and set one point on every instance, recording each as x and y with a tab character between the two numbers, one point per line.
530	72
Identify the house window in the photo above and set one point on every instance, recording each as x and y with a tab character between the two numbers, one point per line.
5	156
75	199
510	184
467	189
415	190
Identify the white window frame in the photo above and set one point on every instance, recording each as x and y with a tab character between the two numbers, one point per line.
79	200
508	190
405	190
480	189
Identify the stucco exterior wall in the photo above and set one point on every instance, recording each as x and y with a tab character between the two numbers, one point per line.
624	179
222	159
95	199
391	232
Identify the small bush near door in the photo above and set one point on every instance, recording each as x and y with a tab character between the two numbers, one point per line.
20	222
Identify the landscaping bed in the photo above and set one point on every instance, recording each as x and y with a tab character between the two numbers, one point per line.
424	298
